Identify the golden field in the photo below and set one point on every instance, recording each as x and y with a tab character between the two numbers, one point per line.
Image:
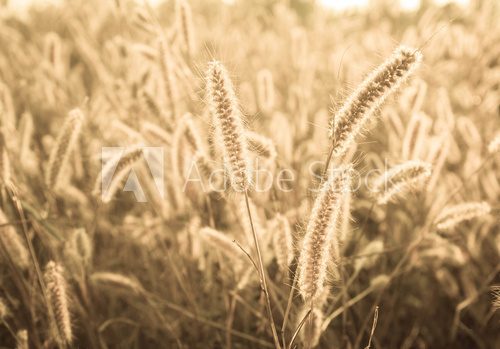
261	174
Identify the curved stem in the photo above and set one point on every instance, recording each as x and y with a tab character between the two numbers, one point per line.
297	330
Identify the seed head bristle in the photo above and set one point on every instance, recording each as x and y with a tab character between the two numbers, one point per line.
261	145
167	66
115	170
116	280
228	125
185	25
191	132
400	179
369	255
320	234
13	243
155	133
209	172
496	297
56	288
22	339
149	103
452	215
282	242
82	245
61	150
356	111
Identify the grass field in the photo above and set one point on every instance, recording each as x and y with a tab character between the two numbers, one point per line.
261	174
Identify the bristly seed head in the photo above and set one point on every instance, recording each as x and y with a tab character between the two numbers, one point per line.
229	128
354	114
321	234
452	215
400	179
61	150
13	243
56	287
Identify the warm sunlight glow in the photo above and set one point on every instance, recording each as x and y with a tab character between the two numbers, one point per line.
344	4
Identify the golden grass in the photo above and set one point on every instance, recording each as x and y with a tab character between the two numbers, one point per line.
265	112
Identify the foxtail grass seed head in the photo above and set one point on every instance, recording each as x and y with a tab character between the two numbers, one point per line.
22	339
262	145
72	194
380	281
185	26
155	134
186	137
469	132
453	215
115	170
115	280
320	234
190	131
349	121
186	200
56	288
82	245
400	179
149	103
142	21
416	136
61	150
229	129
13	243
169	80
440	160
369	255
212	178
496	297
442	252
282	242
